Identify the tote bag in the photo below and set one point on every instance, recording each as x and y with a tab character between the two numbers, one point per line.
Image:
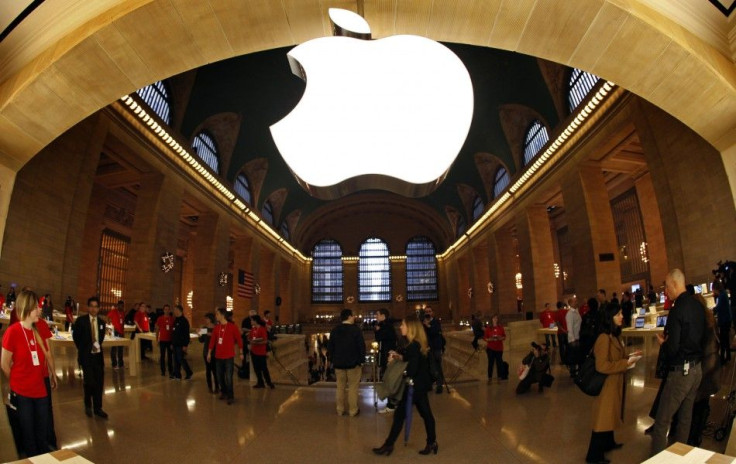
589	380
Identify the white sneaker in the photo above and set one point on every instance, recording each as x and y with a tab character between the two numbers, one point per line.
386	410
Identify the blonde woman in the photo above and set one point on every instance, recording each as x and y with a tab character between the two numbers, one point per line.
24	362
416	354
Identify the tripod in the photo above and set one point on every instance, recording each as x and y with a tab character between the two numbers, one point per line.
461	368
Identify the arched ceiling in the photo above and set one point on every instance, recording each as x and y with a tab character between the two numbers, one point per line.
261	89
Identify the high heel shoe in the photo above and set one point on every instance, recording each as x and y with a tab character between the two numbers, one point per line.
430	448
385	449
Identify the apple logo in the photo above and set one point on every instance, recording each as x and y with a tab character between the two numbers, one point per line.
387	114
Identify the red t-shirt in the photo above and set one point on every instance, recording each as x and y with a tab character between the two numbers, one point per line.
494	331
546	318
258	332
142	319
25	378
226	336
583	310
117	319
44	331
69	312
560	320
165	327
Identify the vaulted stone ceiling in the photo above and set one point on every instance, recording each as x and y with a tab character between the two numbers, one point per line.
239	98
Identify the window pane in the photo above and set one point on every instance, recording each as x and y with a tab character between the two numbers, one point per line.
421	270
477	208
581	83
284	229
111	267
374	271
205	148
536	138
501	182
267	213
327	272
242	187
157	98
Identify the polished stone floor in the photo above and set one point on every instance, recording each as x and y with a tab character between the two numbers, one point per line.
154	419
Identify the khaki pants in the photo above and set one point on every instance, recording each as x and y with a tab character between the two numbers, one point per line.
348	379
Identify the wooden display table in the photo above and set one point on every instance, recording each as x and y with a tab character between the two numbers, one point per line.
679	453
64	340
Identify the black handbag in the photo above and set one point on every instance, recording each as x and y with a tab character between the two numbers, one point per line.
589	380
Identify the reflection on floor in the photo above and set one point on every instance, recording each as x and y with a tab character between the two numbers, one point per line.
154	419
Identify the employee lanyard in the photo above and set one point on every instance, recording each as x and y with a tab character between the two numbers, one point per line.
222	331
23	329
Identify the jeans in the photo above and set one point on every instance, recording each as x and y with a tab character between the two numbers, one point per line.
678	397
562	338
211	375
421	401
116	353
33	419
724	336
260	366
350	379
166	355
180	361
224	369
437	367
494	357
548	337
51	436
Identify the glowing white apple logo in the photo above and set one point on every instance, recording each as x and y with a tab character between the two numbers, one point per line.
389	114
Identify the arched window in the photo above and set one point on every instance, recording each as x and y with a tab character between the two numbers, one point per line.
477	207
327	272
421	270
157	97
374	271
536	137
461	227
284	229
579	86
205	147
267	213
500	182
242	188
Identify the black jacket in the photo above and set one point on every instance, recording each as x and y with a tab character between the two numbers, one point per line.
82	335
346	347
418	367
386	336
180	336
685	330
434	334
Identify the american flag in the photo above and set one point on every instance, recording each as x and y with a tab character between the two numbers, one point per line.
245	284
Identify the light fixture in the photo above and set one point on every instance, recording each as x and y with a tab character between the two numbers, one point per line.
190	297
518	281
390	114
557	271
644	252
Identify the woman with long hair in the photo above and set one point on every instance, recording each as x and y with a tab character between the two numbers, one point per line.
417	371
610	359
258	339
24	362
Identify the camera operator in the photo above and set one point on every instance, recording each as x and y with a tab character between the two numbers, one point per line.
436	345
538	362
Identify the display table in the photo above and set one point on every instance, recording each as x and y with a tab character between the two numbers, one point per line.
152	336
62	456
64	340
679	453
646	334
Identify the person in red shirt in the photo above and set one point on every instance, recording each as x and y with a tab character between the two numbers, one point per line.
547	318
494	336
68	313
268	322
116	317
225	335
24	362
164	329
142	325
258	337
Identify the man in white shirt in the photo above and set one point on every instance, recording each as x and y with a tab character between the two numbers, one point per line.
574	321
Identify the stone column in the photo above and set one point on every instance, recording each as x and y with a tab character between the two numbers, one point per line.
592	237
155	231
537	258
209	254
481	298
653	230
503	270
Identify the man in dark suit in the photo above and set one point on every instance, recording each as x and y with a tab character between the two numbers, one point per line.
89	333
